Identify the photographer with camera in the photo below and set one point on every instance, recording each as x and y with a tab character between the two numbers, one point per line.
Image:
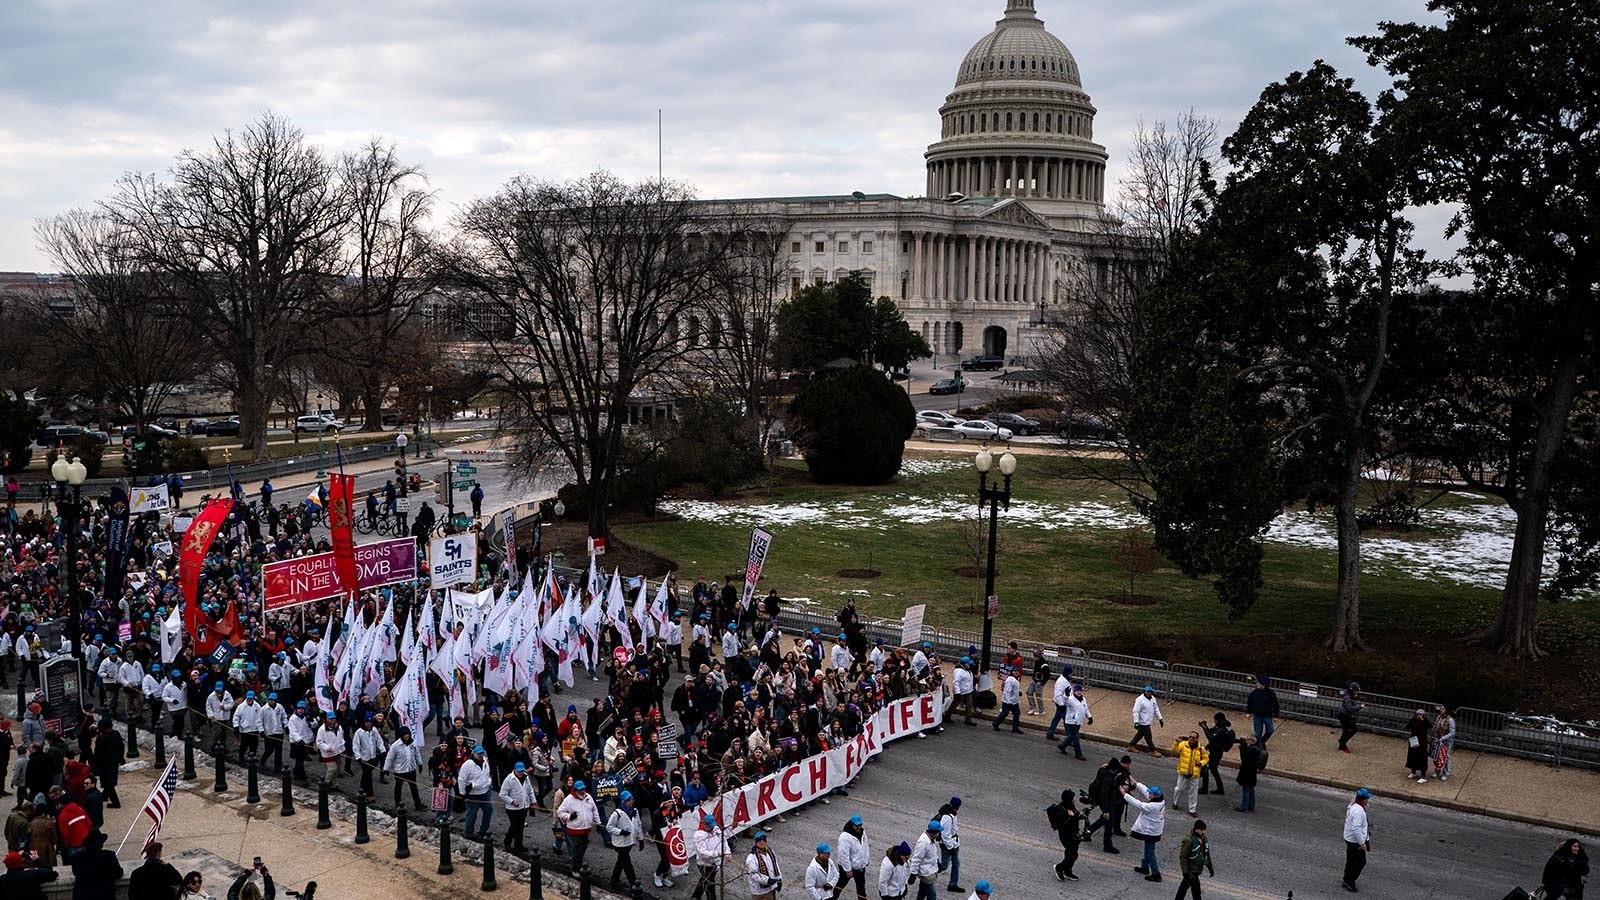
245	889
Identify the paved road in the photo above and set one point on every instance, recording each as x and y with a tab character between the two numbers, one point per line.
1292	843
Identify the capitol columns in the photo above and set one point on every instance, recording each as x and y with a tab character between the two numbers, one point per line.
916	266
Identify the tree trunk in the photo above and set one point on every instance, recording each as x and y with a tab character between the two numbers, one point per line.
1512	631
253	416
372	398
1346	634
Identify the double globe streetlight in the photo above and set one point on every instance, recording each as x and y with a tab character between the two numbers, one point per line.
993	495
70	505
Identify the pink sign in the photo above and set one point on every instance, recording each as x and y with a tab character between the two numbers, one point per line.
306	579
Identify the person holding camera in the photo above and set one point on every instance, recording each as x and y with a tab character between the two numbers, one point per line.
762	870
245	889
1067	821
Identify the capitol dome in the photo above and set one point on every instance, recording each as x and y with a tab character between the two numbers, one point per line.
1019	125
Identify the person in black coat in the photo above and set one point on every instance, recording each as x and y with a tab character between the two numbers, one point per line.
24	877
155	880
1249	765
95	870
109	754
40	772
1565	870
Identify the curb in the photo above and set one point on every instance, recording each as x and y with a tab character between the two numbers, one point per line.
1326	781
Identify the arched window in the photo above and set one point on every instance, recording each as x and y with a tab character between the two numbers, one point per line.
1060	117
1047	118
1008	121
1035	121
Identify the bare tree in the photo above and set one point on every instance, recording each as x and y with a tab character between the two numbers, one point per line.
579	289
1135	555
248	233
125	340
388	271
1090	353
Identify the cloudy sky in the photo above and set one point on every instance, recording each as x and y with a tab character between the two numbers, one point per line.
760	97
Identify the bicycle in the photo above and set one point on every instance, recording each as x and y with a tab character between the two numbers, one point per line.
308	894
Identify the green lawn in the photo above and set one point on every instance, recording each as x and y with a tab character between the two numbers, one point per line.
1053	584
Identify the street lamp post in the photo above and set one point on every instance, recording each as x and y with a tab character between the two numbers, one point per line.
428	391
322	469
558	558
71	474
995	496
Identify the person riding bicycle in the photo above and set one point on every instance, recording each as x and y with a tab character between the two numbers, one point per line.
388	496
266	493
372	507
424	521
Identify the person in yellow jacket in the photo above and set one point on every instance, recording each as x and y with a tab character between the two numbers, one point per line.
1192	760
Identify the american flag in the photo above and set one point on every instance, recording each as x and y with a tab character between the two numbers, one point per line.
160	801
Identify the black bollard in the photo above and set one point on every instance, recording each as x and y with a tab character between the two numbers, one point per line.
288	795
221	760
535	875
585	891
446	866
133	739
252	788
161	747
323	821
488	865
402	834
362	837
189	774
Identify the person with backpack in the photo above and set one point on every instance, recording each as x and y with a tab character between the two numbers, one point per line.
1252	759
1067	822
1194	857
950	842
1219	740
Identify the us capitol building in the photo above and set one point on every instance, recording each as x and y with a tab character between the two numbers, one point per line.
1015	191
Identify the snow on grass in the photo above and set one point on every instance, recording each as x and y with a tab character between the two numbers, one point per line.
1469	544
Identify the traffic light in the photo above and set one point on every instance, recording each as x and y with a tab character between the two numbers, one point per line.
400	469
438	492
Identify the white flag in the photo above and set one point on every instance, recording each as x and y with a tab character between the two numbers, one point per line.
172	635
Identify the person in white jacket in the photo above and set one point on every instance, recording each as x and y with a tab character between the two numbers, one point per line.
273	723
151	688
821	874
710	848
854	856
247	722
403	761
1060	693
330	746
516	792
626	831
302	739
950	842
131	677
474	782
924	862
894	873
369	748
1148	827
1146	711
762	871
579	815
1077	716
1010	702
219	710
961	690
175	695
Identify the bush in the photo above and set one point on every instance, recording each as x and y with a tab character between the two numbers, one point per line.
85	448
19	419
852	426
144	458
183	455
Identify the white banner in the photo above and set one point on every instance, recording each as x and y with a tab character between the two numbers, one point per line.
816	776
759	542
161	550
911	625
453	560
148	499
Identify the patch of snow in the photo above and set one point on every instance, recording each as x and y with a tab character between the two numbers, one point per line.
913	467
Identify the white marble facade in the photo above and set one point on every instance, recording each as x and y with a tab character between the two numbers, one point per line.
1015	186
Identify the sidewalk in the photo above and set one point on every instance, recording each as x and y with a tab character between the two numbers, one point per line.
1517	790
219	834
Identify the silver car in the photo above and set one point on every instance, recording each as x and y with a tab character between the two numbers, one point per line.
981	430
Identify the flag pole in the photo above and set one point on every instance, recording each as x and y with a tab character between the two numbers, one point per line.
131	826
244	565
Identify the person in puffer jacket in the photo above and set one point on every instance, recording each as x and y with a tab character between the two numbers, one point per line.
1192	762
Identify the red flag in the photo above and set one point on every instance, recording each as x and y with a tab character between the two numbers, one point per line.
191	555
340	489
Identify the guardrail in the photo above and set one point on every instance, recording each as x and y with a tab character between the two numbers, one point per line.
1547	740
217	478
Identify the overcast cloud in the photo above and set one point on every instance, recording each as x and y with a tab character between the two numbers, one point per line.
761	98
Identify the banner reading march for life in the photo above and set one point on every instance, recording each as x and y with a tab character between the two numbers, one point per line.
453	560
816	776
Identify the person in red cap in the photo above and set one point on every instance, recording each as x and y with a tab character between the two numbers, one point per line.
24	877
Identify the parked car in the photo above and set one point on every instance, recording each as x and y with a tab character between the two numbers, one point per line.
1018	424
58	433
197	426
316	424
168	422
983	363
947	386
1084	427
98	435
983	430
941	419
225	427
151	432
